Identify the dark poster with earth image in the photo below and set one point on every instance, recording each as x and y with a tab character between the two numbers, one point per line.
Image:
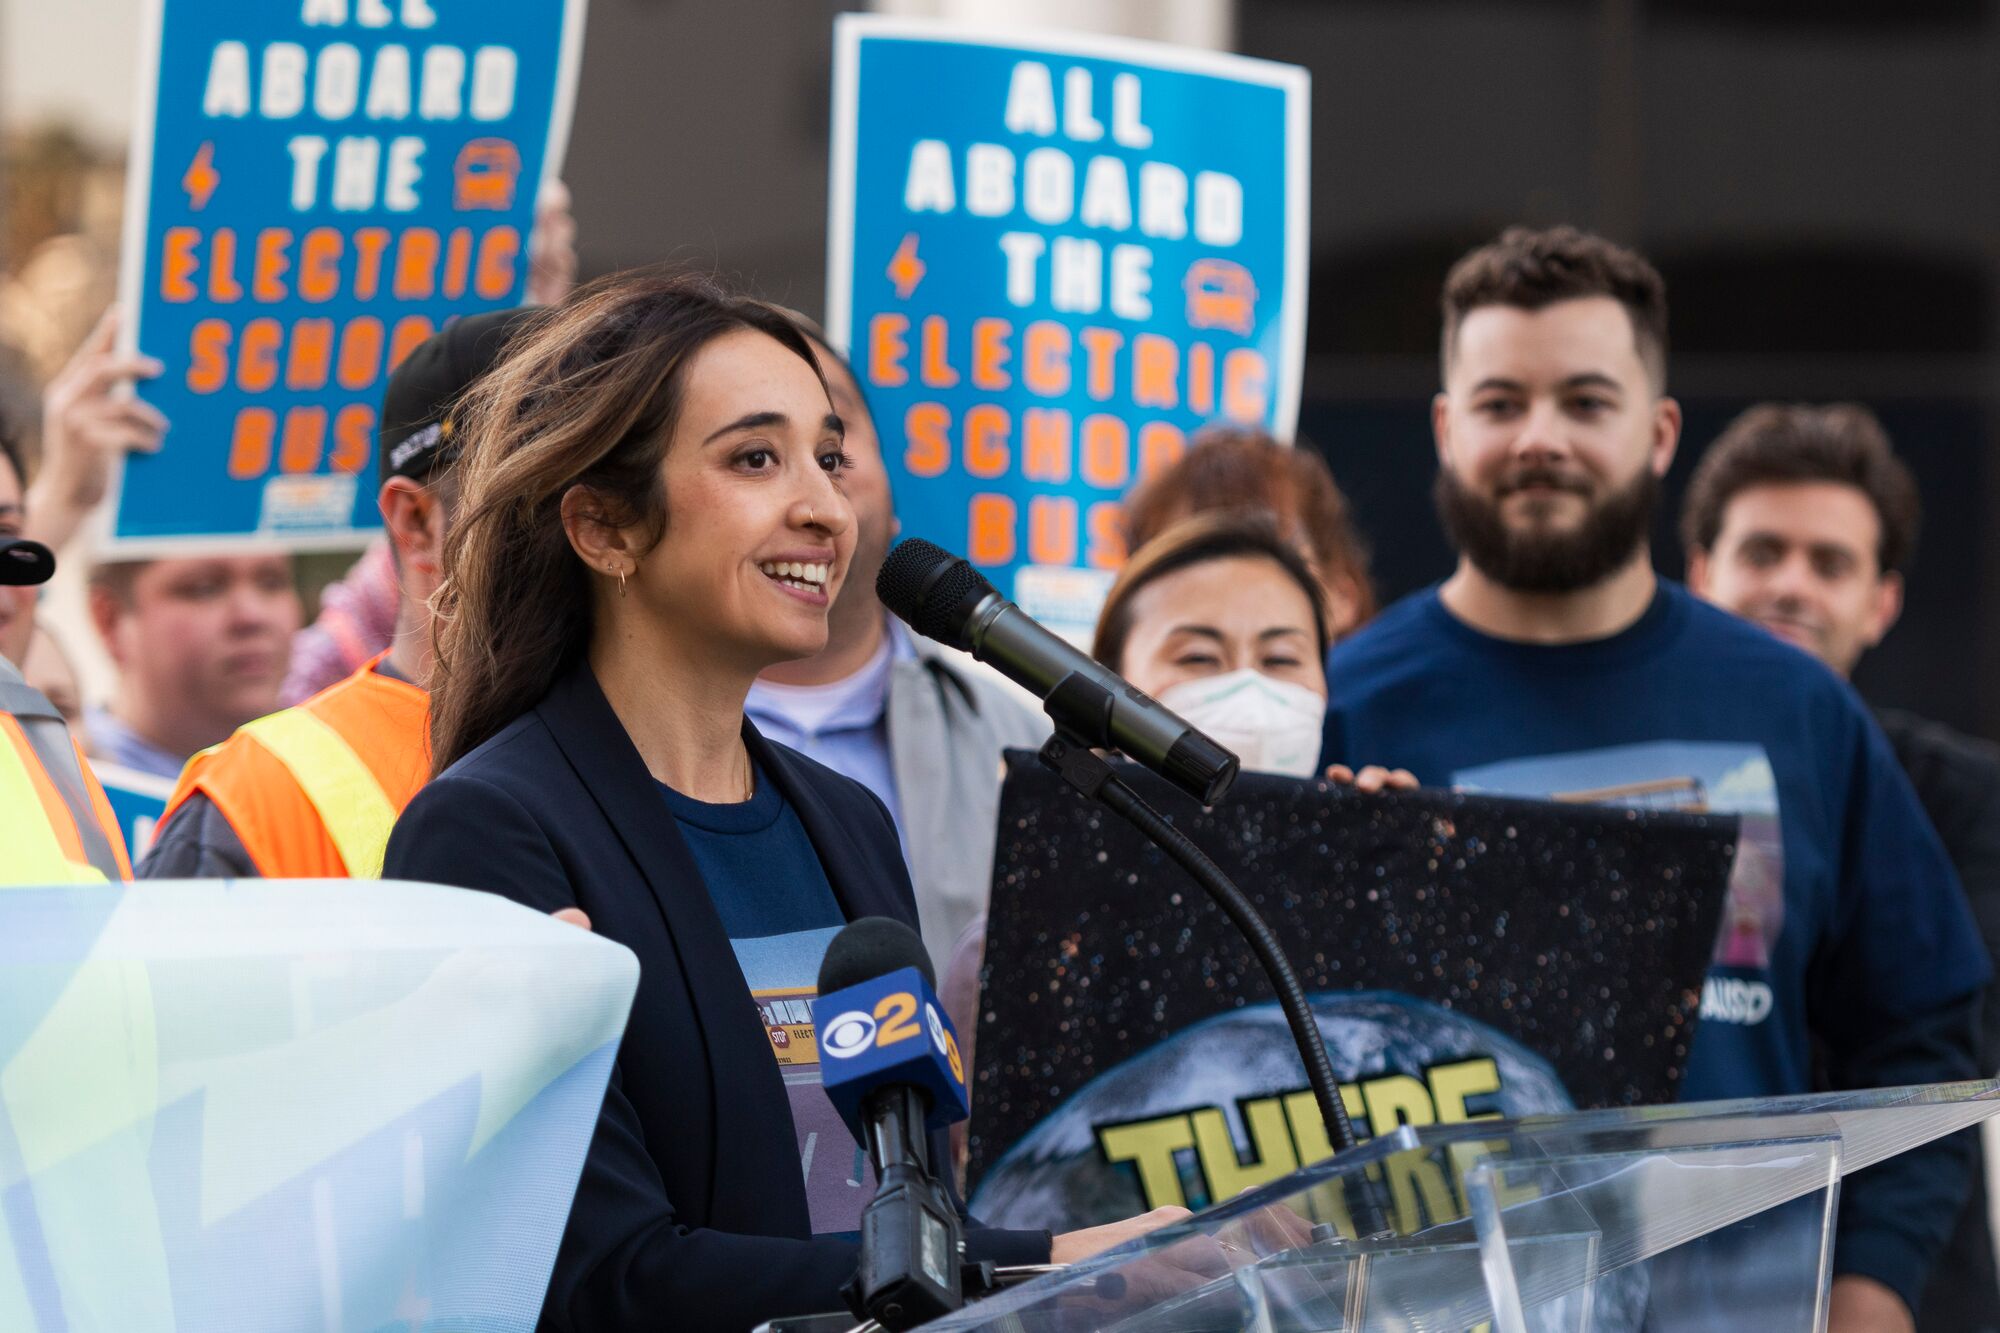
1467	956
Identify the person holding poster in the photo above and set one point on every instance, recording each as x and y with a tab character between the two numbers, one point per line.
653	513
311	792
1554	662
1052	259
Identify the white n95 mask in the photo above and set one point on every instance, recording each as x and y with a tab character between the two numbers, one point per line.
1272	725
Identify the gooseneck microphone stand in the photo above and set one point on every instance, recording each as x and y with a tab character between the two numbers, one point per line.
1081	710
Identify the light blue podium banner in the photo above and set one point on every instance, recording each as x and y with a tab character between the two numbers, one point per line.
292	1105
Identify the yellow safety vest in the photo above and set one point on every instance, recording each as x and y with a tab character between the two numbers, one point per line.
55	825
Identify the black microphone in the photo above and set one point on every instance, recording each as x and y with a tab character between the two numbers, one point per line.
890	1066
944	598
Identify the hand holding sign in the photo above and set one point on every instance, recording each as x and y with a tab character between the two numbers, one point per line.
88	421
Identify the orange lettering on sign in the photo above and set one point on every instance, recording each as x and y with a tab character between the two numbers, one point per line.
410	334
370	244
416	265
222	284
926	439
986	429
311	360
888	344
1246	385
1160	446
208	356
1201	380
353	427
1052	530
360	353
1107	535
1100	351
305	438
499	252
1107	449
177	264
257	357
1045	358
990	539
457	262
250	442
267	277
1155	367
990	354
1045	448
319	264
937	371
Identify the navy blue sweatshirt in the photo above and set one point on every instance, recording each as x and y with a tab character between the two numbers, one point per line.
1845	922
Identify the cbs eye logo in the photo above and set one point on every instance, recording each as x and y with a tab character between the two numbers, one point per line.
851	1033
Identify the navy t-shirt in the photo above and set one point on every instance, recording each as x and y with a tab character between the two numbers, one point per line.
772	894
1845	920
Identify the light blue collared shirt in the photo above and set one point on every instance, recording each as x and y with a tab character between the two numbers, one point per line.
845	724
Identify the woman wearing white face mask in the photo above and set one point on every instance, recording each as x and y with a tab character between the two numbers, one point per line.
1221	620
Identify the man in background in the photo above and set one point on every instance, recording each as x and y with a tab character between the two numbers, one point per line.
312	792
1553	661
894	711
1803	520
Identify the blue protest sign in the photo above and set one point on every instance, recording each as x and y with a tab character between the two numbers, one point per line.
315	187
1051	259
137	800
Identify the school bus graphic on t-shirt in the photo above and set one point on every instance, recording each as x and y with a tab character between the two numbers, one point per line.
787	1016
1694	777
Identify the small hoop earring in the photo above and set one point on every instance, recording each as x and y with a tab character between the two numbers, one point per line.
620	572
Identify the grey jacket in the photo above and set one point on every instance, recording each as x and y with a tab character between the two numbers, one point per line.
947	727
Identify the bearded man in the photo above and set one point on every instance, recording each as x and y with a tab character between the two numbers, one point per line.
1554	662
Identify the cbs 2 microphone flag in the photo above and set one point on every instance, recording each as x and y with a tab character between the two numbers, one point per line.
315	186
1051	259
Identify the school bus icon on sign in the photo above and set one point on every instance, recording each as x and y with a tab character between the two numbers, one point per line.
1220	295
485	175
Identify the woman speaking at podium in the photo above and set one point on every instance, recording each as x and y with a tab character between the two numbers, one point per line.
652	514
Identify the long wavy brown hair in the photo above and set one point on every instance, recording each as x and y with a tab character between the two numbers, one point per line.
586	396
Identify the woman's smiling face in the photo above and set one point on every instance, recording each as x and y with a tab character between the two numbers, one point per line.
759	532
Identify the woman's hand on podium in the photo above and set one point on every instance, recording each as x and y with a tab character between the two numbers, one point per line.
1075	1246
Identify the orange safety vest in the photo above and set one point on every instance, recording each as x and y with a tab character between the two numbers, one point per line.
56	827
314	790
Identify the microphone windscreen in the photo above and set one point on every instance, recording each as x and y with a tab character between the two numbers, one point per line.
23	563
871	947
931	590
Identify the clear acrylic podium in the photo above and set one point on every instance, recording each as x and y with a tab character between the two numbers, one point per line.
1711	1215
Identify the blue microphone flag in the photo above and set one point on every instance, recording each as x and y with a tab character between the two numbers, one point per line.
889	1030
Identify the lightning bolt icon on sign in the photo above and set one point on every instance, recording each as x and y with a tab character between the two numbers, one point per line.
202	177
906	270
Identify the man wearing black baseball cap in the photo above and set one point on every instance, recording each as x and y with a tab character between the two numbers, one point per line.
311	792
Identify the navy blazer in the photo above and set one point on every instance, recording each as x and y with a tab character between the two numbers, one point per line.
691	1212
